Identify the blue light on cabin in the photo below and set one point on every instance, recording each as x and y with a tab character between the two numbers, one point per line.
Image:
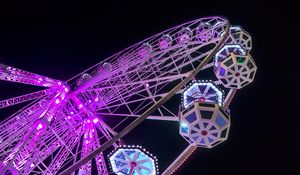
184	127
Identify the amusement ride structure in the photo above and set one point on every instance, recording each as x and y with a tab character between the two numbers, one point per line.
76	126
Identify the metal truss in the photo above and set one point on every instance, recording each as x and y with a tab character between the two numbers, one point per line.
23	98
8	73
66	126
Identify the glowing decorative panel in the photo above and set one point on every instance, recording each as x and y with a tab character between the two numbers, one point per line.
203	92
132	160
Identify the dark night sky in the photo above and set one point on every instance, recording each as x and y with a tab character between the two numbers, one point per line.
61	40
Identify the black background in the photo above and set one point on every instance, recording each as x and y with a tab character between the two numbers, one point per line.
61	40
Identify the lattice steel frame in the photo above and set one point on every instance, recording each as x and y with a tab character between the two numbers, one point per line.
49	134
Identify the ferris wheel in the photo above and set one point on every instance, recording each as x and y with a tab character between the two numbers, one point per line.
70	126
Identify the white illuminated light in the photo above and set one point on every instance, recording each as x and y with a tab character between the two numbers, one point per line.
66	89
96	120
40	80
96	99
57	101
235	28
40	126
80	106
50	118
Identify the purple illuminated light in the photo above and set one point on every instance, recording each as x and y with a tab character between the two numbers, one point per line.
145	50
40	80
185	36
66	89
163	44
